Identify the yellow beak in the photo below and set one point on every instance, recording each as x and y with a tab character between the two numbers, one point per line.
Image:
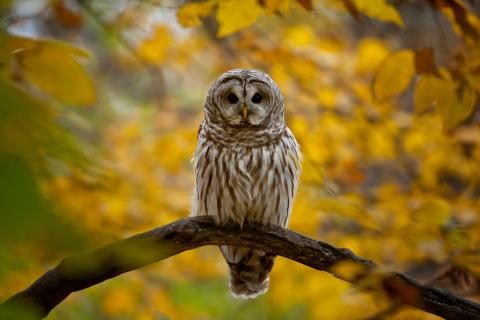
245	112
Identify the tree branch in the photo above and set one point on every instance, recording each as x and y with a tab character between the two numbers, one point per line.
84	270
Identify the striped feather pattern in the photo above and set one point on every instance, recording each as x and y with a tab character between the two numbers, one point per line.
246	175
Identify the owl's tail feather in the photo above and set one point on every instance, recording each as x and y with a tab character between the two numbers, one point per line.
249	270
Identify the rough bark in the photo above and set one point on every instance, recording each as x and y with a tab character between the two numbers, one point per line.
84	270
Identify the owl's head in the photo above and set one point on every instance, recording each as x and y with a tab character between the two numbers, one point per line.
245	99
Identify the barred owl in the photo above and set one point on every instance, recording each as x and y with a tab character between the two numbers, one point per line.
247	164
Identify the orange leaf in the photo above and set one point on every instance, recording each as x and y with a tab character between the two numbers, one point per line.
306	4
425	62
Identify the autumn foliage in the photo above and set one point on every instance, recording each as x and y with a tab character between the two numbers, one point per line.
100	103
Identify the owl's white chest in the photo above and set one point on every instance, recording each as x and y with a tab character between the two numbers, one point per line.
255	184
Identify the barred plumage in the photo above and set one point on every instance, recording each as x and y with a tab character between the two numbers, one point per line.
247	164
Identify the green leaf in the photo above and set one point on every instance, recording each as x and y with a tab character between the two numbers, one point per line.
28	129
21	204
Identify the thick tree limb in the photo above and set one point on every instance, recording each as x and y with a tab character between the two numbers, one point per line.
82	271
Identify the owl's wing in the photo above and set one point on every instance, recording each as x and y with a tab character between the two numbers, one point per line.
200	128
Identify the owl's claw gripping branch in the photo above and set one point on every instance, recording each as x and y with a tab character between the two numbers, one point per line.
84	270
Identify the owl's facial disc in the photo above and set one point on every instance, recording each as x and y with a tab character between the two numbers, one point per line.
245	104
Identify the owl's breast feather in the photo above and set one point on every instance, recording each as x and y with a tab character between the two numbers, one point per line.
246	183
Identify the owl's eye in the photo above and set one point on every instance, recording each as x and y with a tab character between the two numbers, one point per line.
232	98
257	98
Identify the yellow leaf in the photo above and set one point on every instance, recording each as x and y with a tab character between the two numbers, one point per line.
427	89
395	74
76	51
453	101
154	50
327	96
191	14
455	104
379	9
233	16
432	212
277	5
413	314
55	72
118	302
300	35
370	53
348	270
144	315
10	44
474	81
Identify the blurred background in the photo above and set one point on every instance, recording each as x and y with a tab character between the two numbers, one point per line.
100	103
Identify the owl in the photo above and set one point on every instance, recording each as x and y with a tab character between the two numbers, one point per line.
247	165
